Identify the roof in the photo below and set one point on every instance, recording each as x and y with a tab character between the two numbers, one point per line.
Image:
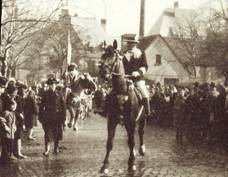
90	31
145	42
181	48
169	18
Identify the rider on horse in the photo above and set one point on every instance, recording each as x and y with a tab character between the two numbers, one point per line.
71	77
135	65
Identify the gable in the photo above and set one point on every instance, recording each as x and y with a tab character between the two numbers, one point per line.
90	31
170	66
170	18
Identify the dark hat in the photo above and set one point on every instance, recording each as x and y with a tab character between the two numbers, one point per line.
205	87
212	84
132	41
21	85
3	81
72	66
196	84
52	81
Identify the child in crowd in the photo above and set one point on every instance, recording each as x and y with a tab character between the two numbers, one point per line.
8	124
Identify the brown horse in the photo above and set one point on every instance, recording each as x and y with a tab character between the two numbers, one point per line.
122	104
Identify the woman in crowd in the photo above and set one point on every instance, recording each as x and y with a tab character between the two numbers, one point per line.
30	113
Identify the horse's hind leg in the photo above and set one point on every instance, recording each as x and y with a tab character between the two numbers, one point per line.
142	148
130	127
112	123
72	116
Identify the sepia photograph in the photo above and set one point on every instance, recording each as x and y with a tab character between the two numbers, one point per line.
114	88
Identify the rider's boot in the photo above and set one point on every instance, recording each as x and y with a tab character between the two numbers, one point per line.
146	104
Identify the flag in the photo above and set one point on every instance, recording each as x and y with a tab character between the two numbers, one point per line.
69	48
67	61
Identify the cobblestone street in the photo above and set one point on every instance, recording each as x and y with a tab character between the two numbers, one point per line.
82	155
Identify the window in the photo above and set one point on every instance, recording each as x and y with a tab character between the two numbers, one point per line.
158	60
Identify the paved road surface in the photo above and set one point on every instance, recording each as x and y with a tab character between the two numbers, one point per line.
82	155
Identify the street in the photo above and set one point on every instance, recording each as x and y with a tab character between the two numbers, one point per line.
82	155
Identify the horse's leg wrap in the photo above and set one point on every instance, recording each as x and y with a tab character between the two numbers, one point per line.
141	133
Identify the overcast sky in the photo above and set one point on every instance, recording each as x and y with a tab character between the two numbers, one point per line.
122	15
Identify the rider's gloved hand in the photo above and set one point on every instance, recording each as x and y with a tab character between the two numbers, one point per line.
135	74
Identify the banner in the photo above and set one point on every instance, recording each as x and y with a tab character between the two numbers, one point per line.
69	49
67	61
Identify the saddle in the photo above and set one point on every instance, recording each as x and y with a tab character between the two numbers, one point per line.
131	86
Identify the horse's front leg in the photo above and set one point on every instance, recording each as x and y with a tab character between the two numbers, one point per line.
72	116
76	119
130	127
112	123
142	148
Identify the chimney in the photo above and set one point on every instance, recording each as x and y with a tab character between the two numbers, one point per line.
103	24
142	19
65	17
176	5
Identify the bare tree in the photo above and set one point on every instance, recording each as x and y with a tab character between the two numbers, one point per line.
187	33
203	38
216	42
17	28
51	44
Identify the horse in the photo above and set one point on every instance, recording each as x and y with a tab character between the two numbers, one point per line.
123	106
74	98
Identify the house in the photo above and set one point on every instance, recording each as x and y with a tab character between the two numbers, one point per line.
174	59
50	45
168	22
169	63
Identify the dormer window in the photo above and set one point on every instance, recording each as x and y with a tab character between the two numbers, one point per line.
158	60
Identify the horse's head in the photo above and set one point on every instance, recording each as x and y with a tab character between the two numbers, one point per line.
110	62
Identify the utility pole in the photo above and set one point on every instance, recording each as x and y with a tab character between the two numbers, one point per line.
142	19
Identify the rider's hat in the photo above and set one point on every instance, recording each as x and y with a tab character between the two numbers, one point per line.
132	41
72	66
52	81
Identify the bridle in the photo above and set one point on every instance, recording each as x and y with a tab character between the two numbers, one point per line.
114	64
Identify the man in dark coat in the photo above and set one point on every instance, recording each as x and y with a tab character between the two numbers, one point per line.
135	64
3	82
52	116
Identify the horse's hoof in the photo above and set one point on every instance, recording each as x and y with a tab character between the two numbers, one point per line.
104	170
75	129
132	168
142	150
46	153
69	125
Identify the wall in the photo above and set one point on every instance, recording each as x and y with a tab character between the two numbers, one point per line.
170	67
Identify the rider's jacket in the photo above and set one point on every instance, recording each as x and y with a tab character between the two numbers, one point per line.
135	60
69	79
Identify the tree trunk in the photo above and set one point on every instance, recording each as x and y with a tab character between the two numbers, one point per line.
3	69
